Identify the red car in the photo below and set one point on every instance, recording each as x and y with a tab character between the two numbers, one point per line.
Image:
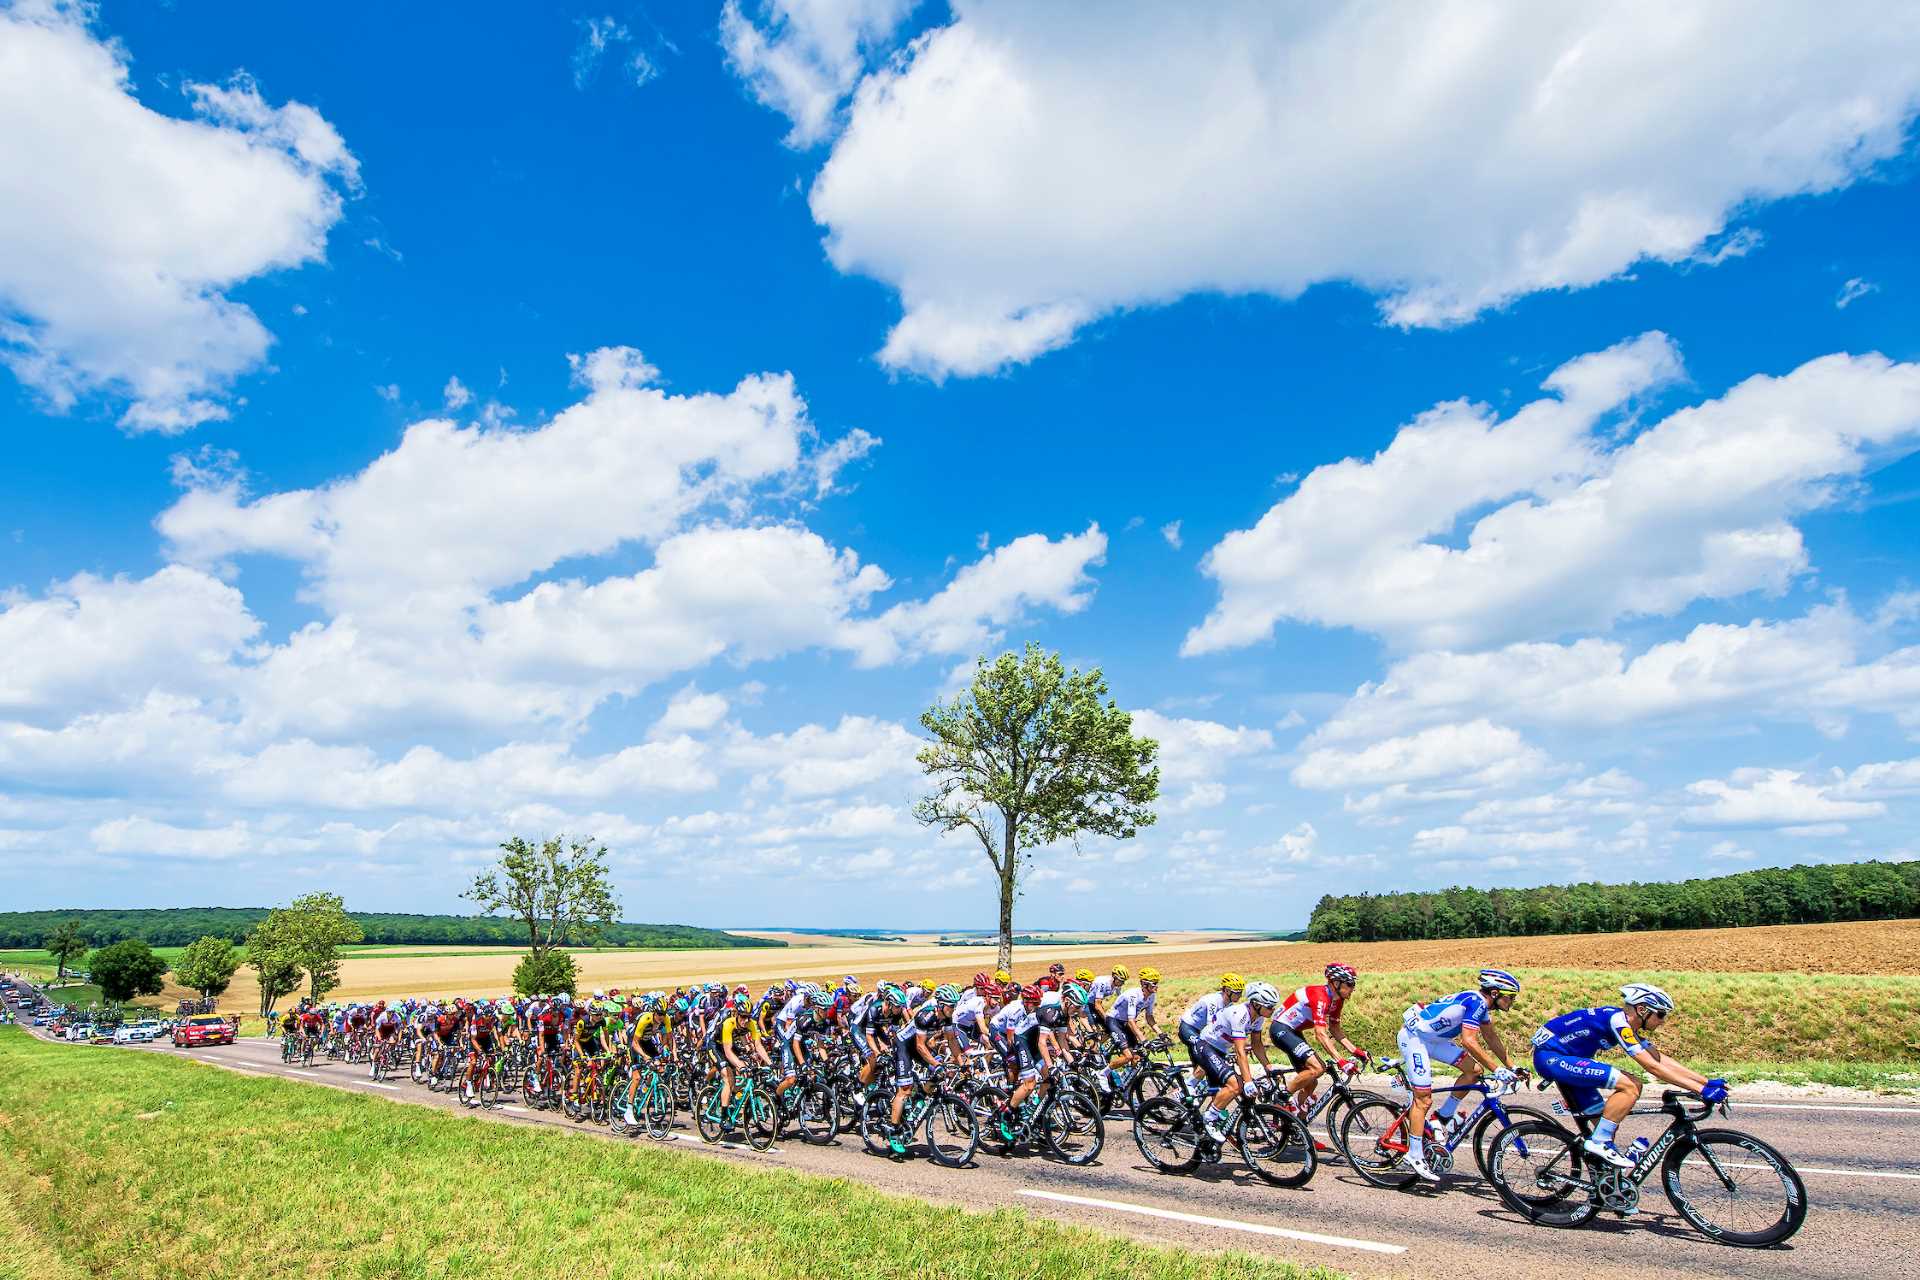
208	1028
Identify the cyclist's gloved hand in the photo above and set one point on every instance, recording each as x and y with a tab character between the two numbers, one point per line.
1716	1091
1504	1075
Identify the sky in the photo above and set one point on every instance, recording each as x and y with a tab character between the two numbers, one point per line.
1478	442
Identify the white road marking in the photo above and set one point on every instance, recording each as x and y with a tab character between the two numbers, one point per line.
1838	1173
375	1084
519	1111
1255	1228
1811	1106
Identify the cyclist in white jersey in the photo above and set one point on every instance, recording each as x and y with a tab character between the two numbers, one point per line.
1458	1026
1101	991
1223	1048
1202	1011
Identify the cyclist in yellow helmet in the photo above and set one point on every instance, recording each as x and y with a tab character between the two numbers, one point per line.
1202	1011
1133	1006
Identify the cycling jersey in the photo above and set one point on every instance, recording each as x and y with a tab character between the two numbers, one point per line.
1315	1006
748	1030
1445	1019
967	1015
1101	990
1233	1022
1201	1012
1133	1003
927	1022
1587	1033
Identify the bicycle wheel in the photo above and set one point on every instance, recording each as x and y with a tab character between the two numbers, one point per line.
952	1127
706	1114
1151	1083
989	1106
1486	1128
875	1110
1276	1146
1373	1142
1337	1109
762	1121
1071	1126
657	1112
1168	1134
816	1112
1734	1188
1537	1168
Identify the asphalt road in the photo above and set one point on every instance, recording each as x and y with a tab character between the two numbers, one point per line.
1860	1161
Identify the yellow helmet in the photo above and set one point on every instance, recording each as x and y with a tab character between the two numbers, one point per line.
1149	974
1083	975
1002	976
1233	982
1121	973
925	984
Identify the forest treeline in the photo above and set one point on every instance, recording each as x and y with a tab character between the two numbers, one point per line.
178	926
1775	895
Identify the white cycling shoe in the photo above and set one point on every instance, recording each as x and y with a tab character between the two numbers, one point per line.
1606	1153
1417	1165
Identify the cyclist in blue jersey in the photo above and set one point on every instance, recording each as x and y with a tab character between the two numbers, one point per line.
1448	1030
1565	1048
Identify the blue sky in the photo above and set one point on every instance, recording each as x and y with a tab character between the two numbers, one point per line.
1480	443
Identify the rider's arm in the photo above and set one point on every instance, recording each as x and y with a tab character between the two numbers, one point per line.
1657	1064
1481	1050
1332	1034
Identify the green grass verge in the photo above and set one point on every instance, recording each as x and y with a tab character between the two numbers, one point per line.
1793	1027
124	1164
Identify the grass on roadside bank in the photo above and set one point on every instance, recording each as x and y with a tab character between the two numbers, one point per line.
131	1164
1795	1028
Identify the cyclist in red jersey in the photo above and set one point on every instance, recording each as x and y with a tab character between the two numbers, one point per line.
482	1038
1317	1007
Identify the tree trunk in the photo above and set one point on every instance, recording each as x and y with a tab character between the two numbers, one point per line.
1009	875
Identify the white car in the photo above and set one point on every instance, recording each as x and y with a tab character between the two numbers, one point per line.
137	1033
79	1031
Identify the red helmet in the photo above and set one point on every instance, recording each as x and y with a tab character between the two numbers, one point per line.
1032	994
983	981
379	1005
1047	982
1011	991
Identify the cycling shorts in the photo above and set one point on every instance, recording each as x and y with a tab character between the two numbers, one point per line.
1122	1031
1215	1065
903	1058
1421	1052
1291	1043
1580	1079
1189	1038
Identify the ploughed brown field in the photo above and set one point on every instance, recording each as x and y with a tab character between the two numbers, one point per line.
1868	947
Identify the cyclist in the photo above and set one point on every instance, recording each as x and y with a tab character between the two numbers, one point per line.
1222	1051
387	1026
588	1031
1317	1007
970	1015
918	1034
649	1040
1203	1010
1101	992
482	1037
1130	1007
442	1032
739	1034
1565	1047
1447	1031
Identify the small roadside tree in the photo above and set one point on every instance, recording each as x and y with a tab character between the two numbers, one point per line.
321	926
546	975
561	892
65	944
207	965
127	969
273	952
1029	755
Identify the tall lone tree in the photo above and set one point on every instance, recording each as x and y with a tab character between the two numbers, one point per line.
561	891
65	944
207	965
321	927
1030	755
273	951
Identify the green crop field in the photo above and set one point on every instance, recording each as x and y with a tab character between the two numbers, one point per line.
130	1164
1793	1027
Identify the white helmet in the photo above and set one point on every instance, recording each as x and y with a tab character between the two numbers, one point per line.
1646	996
1263	993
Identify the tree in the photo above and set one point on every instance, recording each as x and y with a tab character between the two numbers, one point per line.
1030	755
544	975
127	969
65	944
207	965
321	925
562	893
273	952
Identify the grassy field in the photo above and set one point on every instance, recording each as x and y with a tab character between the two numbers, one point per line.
137	1165
1777	1026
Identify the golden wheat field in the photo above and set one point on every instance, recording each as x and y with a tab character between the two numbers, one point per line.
1870	947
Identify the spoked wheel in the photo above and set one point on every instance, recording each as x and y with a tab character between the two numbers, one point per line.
1538	1169
875	1111
1487	1128
1337	1112
1072	1128
762	1121
953	1129
1373	1139
656	1113
706	1114
1151	1083
1168	1134
989	1105
1276	1146
816	1112
1734	1188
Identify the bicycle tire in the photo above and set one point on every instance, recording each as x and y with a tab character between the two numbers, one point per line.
659	1112
989	1101
1071	1125
1539	1172
1276	1146
1364	1126
712	1127
761	1120
1485	1124
1793	1192
1169	1135
816	1113
952	1126
1337	1107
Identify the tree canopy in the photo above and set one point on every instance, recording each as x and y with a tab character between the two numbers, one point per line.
207	965
1773	895
65	944
127	969
1031	755
561	893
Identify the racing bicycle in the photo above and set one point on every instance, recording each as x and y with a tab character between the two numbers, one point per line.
1373	1133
